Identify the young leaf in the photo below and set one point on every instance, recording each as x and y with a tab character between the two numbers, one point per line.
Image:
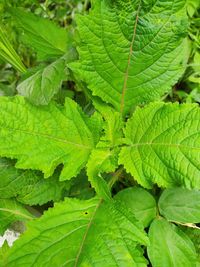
29	187
104	159
81	233
131	52
169	246
42	138
44	36
163	145
100	161
140	202
180	205
11	211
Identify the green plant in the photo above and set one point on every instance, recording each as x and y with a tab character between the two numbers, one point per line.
96	114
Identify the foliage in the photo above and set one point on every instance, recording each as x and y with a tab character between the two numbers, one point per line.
98	164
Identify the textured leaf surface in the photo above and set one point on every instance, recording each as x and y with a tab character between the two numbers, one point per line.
44	36
131	51
169	246
42	138
28	187
81	233
11	211
180	205
163	145
140	202
44	84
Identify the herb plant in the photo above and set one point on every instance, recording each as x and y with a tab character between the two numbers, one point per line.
98	163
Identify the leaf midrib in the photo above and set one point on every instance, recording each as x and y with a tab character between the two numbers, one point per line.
48	137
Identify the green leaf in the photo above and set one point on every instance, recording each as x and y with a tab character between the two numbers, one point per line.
140	202
194	235
42	138
100	161
41	34
180	205
131	52
163	145
81	233
29	187
4	251
44	84
8	54
104	159
169	246
11	211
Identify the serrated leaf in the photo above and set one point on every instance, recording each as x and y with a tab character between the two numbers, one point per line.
169	246
41	34
100	161
163	145
140	202
29	187
104	158
11	211
42	138
131	52
81	233
180	205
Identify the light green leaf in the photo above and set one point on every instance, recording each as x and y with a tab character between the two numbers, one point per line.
169	246
44	84
180	205
11	211
42	138
41	34
140	202
81	233
131	52
29	187
101	161
163	145
104	159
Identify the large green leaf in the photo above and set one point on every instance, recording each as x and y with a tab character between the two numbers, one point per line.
140	202
180	205
131	52
41	34
42	138
29	187
169	246
81	233
11	211
163	145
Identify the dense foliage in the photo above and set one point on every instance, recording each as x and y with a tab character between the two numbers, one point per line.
100	133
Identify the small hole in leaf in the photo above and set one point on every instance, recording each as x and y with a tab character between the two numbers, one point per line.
86	213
